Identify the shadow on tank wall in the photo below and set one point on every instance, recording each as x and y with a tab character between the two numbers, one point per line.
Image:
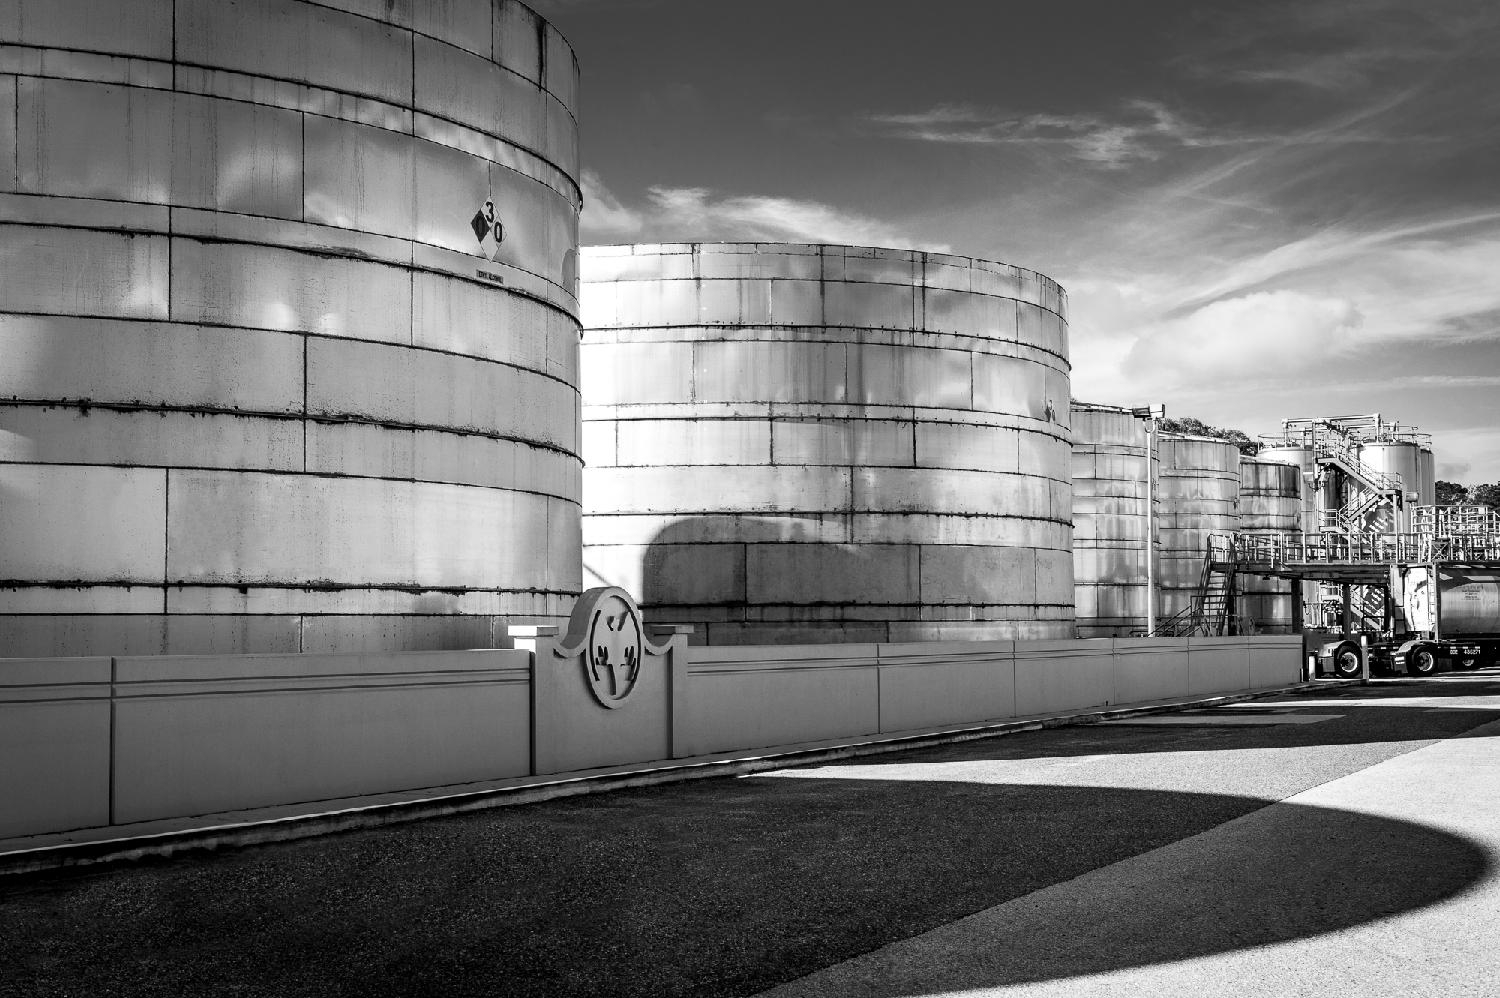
795	579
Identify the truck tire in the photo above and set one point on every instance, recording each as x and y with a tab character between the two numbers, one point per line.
1346	660
1421	660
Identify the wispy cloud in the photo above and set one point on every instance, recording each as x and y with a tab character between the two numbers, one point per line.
1343	46
678	214
1140	130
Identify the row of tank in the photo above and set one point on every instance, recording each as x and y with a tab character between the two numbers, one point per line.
1205	486
296	358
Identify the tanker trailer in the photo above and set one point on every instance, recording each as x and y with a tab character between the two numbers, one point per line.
1452	613
1439	615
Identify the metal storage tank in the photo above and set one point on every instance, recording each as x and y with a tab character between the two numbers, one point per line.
1401	459
1270	504
270	381
1427	477
1110	488
1303	459
1199	489
797	443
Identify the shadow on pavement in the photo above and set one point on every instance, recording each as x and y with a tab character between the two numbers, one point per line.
1418	711
717	887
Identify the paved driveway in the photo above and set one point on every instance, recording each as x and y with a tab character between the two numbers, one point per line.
1344	832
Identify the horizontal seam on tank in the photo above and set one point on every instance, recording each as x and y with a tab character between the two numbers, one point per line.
840	466
491	59
327	337
395	104
333	252
324	252
335	476
746	278
763	513
778	249
749	327
285	417
837	465
844	419
868	604
309	587
337	253
577	195
824	513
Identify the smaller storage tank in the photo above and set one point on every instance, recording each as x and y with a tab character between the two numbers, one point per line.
1400	459
1110	488
1270	504
1302	458
1427	477
1199	490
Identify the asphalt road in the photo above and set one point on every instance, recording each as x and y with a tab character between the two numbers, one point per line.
1045	859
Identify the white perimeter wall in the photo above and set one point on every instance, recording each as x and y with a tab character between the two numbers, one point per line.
98	742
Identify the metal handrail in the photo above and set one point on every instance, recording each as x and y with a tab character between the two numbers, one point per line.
1363	549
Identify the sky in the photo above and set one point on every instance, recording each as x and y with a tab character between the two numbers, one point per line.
1260	210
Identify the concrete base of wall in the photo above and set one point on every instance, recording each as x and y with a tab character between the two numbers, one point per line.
122	843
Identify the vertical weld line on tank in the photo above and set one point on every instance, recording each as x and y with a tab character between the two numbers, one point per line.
15	153
109	776
166	533
171	257
305	339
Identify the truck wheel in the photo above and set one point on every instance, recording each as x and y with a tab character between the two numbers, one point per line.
1346	660
1421	661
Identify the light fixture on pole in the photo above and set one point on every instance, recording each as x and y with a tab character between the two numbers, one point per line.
1152	414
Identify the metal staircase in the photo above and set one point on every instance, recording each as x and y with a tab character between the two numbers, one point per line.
1365	512
1210	608
1367	489
1332	445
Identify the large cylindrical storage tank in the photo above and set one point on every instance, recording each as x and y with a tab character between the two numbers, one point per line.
1110	487
1270	505
796	443
1427	470
1199	487
1399	459
269	381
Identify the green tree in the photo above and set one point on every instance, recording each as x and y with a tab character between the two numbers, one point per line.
1198	428
1488	495
1450	493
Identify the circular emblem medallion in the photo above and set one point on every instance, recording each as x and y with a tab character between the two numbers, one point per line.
615	646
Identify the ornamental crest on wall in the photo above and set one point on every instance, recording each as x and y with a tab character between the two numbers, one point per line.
607	623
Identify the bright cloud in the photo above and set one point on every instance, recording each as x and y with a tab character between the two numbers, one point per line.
604	218
684	214
1243	335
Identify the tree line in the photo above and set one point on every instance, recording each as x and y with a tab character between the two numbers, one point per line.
1198	428
1454	494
